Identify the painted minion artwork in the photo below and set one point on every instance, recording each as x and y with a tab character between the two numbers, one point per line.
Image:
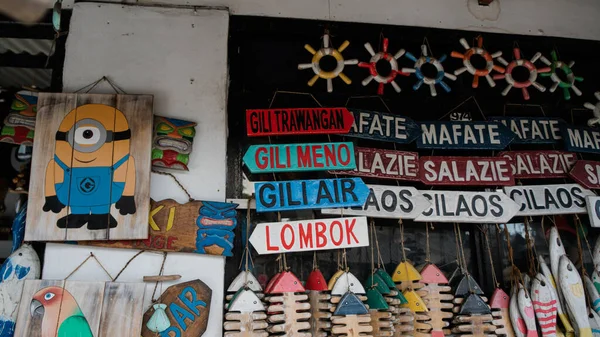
92	168
172	144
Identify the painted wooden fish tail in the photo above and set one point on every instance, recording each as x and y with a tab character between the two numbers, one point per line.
527	312
246	316
515	316
572	286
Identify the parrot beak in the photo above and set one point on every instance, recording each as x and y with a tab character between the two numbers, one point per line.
36	308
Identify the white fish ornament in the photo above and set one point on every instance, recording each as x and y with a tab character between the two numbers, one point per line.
527	312
23	264
544	303
159	321
515	316
572	288
560	309
592	294
594	323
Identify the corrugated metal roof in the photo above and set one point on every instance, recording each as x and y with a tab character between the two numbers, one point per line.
11	77
29	46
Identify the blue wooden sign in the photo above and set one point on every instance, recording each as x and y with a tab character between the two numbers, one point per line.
300	157
310	194
464	135
533	130
382	126
581	139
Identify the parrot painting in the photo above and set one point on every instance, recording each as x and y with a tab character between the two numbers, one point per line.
23	264
61	315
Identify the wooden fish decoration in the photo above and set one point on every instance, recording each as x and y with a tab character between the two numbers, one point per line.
557	250
288	312
466	286
594	323
334	278
596	279
246	316
515	315
572	288
564	320
320	305
544	303
596	253
499	304
381	318
406	276
437	296
271	282
527	312
245	279
345	283
351	317
527	282
592	294
474	318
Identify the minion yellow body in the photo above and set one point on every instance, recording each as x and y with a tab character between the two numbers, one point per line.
92	168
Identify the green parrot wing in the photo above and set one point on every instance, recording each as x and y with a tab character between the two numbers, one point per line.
75	326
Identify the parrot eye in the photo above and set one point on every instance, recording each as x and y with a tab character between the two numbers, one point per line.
87	135
48	296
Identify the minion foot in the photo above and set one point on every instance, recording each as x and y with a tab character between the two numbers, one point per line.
72	221
101	221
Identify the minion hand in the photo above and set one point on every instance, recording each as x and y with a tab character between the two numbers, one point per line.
126	205
53	204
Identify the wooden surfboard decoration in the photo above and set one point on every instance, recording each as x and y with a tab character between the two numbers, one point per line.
572	288
320	305
594	323
474	319
437	295
515	315
527	312
499	304
544	303
351	317
246	316
592	293
289	310
562	316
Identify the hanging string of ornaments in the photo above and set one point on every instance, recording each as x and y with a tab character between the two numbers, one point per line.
553	65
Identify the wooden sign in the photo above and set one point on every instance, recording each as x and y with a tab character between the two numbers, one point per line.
471	207
91	168
300	157
533	130
466	171
539	164
187	306
385	164
581	139
587	173
302	121
203	227
593	210
382	126
549	199
74	308
393	202
309	235
464	135
310	194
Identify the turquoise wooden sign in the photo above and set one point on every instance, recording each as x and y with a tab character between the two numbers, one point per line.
310	194
269	158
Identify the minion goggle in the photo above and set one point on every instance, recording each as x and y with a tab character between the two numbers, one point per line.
89	135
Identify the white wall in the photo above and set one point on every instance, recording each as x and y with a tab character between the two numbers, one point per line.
179	56
564	18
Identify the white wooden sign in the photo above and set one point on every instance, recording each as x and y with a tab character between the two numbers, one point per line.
472	207
395	202
549	199
309	235
593	209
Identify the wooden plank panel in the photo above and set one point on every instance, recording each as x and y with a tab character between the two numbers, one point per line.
122	310
138	111
41	225
27	325
89	297
86	226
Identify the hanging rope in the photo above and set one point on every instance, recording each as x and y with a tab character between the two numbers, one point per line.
427	247
91	256
489	250
315	263
190	199
162	269
457	248
247	257
380	263
92	85
372	231
530	256
580	251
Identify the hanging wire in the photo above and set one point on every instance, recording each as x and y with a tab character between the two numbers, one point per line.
427	247
372	231
530	256
489	251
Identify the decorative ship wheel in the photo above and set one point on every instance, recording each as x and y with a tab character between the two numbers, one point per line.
527	64
555	65
372	66
469	67
431	81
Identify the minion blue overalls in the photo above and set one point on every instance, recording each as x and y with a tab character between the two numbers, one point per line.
89	190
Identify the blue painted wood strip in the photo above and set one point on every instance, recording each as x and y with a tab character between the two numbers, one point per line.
269	158
533	130
581	139
464	135
383	126
310	194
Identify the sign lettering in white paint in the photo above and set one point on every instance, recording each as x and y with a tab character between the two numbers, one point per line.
549	199
593	209
309	235
472	207
395	202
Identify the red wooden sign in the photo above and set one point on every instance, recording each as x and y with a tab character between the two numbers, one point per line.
587	173
466	171
386	164
540	164
304	121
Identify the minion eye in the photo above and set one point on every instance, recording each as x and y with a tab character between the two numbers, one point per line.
49	296
87	135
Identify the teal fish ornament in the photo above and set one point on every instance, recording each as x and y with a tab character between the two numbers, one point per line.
159	321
